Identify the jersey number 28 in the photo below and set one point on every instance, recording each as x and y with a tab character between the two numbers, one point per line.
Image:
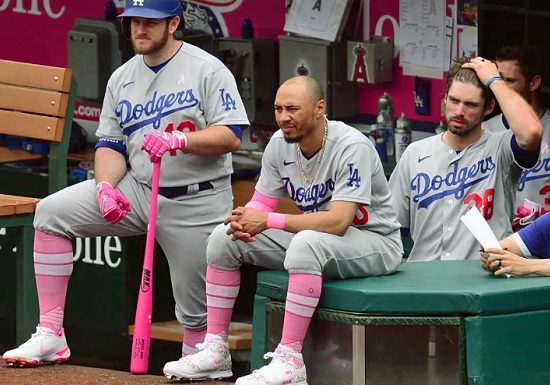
485	204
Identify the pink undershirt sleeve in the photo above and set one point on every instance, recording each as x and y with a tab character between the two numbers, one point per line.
263	203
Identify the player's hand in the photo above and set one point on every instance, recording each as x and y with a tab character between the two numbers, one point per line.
484	256
157	143
245	223
505	262
485	68
113	205
236	232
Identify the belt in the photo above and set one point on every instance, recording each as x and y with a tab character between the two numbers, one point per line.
174	192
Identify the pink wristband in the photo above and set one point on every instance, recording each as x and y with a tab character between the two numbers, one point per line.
276	221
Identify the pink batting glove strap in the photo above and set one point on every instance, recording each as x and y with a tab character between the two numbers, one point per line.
112	203
157	143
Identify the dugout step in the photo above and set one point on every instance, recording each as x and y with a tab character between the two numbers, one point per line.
240	333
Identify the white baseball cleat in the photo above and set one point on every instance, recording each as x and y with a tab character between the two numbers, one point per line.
286	367
213	361
44	347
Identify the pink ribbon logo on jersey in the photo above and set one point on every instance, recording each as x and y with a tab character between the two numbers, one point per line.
544	147
181	79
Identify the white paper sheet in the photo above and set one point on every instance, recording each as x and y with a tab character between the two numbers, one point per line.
480	229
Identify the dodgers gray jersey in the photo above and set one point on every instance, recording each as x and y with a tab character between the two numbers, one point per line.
193	91
534	184
350	170
433	187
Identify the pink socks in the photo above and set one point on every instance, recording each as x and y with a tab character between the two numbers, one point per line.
190	340
304	291
53	266
222	288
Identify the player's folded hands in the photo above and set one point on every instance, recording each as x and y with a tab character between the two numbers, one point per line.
157	143
113	204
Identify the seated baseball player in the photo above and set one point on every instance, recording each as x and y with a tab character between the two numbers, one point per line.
439	178
348	229
523	253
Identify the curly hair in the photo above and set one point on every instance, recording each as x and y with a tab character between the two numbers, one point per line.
467	76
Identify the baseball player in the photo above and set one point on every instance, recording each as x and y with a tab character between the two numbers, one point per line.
348	229
439	178
171	100
523	253
523	68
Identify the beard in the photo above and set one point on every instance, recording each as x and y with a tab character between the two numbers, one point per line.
295	139
465	130
305	129
155	46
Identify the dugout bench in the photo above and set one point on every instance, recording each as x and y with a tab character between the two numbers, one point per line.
491	330
36	103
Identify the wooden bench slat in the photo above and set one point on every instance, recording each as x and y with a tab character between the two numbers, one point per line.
16	155
7	209
35	75
240	333
20	198
14	205
33	100
14	208
31	126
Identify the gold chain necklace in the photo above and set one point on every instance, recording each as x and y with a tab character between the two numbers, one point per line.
318	161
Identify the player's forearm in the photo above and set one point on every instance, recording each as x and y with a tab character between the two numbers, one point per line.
510	244
109	166
539	266
214	141
522	119
335	221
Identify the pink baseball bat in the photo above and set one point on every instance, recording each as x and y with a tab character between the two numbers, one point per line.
142	324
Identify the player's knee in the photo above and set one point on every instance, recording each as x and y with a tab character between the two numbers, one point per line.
305	253
219	246
46	210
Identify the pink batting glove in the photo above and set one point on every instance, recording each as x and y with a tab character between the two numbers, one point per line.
113	205
157	143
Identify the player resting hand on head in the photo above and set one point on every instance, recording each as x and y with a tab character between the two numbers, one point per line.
439	178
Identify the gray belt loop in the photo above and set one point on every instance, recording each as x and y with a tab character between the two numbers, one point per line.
192	189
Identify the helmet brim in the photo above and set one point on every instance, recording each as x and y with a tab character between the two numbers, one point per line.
146	13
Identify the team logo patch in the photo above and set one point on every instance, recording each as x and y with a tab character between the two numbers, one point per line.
227	101
138	3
